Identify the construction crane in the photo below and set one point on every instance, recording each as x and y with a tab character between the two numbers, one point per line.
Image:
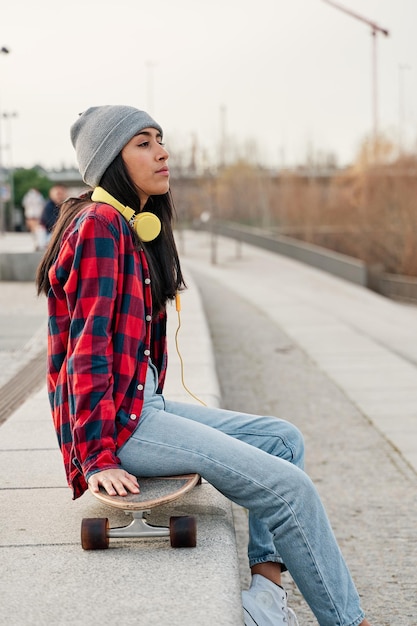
375	29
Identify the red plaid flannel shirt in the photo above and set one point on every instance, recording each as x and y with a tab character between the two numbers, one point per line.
100	337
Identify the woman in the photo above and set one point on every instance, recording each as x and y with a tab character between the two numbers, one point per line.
108	272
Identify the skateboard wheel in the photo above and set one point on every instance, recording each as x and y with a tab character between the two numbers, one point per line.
183	532
94	533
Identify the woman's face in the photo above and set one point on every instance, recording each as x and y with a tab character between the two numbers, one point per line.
146	161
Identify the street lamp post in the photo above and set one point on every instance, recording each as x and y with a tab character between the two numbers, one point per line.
150	65
10	168
375	29
3	50
401	107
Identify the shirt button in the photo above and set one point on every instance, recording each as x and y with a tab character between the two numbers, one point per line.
147	352
133	416
149	318
140	387
147	281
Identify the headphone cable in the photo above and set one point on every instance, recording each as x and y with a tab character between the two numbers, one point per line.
178	309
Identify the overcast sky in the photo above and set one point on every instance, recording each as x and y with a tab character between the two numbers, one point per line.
292	77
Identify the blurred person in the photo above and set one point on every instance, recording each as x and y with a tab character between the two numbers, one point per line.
110	268
57	195
33	203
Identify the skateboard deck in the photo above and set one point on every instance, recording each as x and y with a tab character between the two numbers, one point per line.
154	492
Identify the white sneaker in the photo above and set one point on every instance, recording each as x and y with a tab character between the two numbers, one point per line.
265	604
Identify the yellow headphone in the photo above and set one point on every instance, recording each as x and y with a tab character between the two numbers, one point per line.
146	224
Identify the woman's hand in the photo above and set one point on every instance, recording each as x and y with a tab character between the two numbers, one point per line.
115	482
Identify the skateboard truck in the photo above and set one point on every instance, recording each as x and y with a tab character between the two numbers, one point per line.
138	528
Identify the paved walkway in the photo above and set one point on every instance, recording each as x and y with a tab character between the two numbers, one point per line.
338	361
361	343
364	342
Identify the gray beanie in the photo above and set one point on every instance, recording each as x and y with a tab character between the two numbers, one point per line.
100	133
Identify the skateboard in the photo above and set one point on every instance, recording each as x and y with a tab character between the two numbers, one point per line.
182	531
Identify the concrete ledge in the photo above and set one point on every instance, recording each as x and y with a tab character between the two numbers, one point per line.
46	577
398	287
19	266
341	265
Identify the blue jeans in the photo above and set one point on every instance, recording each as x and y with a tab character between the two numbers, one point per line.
256	462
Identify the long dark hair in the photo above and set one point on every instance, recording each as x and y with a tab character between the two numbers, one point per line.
161	253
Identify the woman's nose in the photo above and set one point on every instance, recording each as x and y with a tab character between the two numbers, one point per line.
164	154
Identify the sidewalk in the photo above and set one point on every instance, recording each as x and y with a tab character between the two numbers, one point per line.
46	577
268	317
364	342
361	341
